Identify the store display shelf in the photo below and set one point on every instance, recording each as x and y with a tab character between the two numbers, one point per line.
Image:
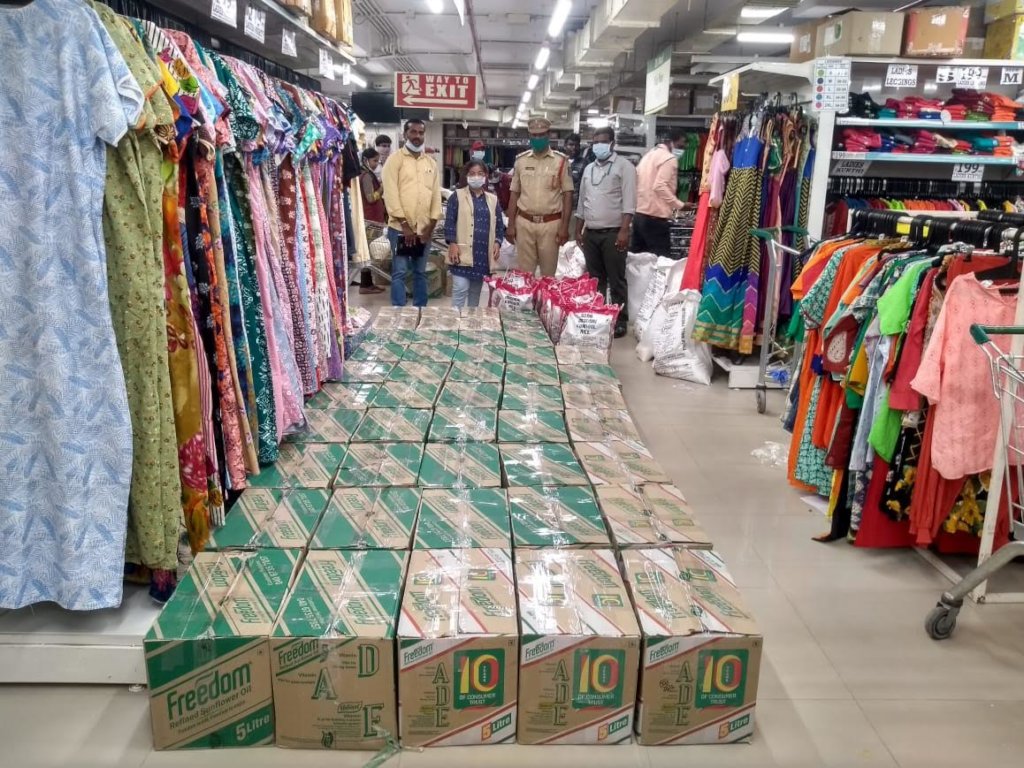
951	125
898	157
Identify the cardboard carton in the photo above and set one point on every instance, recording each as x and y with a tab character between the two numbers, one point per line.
533	373
859	33
483	372
537	464
1001	9
938	32
434	373
465	394
1004	39
334	425
580	648
593	396
368	518
701	652
264	517
470	352
378	352
570	354
406	394
466	517
458	646
650	516
431	353
207	660
532	427
332	652
366	373
301	465
402	425
804	41
464	425
556	517
588	374
597	424
614	462
531	356
474	337
346	22
379	465
336	394
532	397
325	20
460	465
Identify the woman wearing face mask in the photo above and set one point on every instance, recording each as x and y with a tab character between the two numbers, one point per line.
474	228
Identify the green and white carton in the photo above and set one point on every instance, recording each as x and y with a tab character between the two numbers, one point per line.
406	394
481	338
431	353
570	354
534	373
328	426
532	397
589	374
527	339
207	658
332	652
380	465
614	462
455	518
537	464
266	517
593	396
464	425
432	372
469	352
482	372
401	425
337	394
556	517
531	427
467	394
530	356
370	372
378	352
368	518
460	465
301	465
597	424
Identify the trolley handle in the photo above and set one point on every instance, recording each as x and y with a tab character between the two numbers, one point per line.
981	333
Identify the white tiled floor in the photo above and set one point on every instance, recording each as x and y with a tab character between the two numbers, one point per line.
849	677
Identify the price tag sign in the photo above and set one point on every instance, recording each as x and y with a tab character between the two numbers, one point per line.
901	76
962	77
972	172
851	168
225	11
255	23
326	65
288	42
1011	76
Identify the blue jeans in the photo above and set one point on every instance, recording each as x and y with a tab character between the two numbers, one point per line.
400	267
466	289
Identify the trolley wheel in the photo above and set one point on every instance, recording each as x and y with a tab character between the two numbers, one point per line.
762	400
941	622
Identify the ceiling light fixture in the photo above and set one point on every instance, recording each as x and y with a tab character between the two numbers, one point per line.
435	6
356	80
542	58
765	37
559	17
527	95
593	111
760	12
532	82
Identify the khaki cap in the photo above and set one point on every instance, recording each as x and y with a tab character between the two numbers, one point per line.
538	124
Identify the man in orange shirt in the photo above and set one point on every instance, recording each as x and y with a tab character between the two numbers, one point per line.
657	176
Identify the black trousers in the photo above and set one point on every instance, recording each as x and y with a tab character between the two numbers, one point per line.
608	264
651	235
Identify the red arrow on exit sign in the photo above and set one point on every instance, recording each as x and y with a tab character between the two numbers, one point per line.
424	90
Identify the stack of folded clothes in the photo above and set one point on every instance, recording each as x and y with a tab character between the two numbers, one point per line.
984	106
916	107
924	142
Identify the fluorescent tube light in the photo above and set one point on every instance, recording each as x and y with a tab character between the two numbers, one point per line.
435	6
558	17
760	11
356	80
532	82
765	37
542	58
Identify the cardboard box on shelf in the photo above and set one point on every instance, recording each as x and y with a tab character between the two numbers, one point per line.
406	394
332	652
463	425
401	425
457	518
351	396
530	426
1004	39
458	647
207	659
325	20
535	464
460	394
556	517
614	462
532	397
378	465
460	465
1001	9
804	45
335	425
650	516
368	518
265	517
938	32
301	465
860	33
580	648
701	654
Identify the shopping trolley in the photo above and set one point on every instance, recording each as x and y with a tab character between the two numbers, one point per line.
776	357
1008	385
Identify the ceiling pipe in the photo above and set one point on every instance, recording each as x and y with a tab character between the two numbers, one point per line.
471	16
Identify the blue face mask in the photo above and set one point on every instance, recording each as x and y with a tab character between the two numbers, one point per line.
476	155
602	151
415	148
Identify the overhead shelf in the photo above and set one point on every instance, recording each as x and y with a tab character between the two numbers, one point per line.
949	125
906	157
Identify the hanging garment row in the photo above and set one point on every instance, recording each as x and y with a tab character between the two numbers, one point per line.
892	413
173	264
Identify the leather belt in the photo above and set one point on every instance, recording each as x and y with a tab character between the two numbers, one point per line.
538	219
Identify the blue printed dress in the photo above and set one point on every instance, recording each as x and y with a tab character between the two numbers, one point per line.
65	430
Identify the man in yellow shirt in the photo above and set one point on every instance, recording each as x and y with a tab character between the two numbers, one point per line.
412	195
541	202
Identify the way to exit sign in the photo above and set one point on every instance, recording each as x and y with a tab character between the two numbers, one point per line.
425	90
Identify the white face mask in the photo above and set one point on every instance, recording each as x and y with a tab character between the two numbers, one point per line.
677	152
479	155
476	182
415	148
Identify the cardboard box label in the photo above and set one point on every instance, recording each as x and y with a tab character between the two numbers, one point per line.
453	519
461	425
482	351
378	352
530	426
597	424
460	465
270	518
570	354
403	425
485	373
368	518
534	373
541	464
617	463
406	394
556	517
328	426
532	397
531	356
589	374
465	394
650	516
352	396
593	396
431	372
380	464
431	353
598	677
301	465
468	339
479	678
368	373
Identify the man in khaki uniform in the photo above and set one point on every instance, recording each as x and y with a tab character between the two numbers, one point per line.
541	202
